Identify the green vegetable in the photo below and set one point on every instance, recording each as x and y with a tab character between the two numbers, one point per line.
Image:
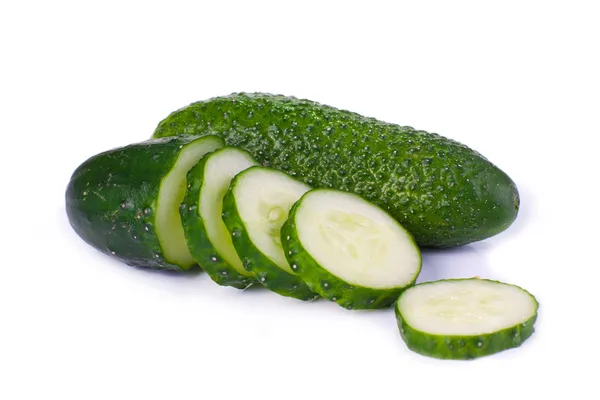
465	318
207	237
441	191
254	208
125	202
349	250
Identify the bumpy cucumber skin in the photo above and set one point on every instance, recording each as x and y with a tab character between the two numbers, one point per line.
441	191
198	242
111	200
464	347
262	268
327	285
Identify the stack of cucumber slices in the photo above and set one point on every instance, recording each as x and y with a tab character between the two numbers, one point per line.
209	198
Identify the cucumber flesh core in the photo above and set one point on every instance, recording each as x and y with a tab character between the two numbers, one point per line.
468	307
264	198
356	241
219	170
169	228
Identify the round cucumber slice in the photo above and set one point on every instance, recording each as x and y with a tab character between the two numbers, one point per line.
207	236
465	318
349	250
254	208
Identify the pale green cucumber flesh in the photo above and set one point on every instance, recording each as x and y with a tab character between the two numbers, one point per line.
465	318
254	208
349	250
169	227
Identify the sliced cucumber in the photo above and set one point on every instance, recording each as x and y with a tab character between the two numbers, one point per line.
465	318
254	208
207	236
349	250
125	201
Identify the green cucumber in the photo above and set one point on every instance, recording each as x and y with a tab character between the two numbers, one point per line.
441	191
125	202
465	318
207	237
254	208
349	250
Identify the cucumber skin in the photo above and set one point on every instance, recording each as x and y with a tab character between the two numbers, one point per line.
441	191
464	347
262	268
351	297
111	200
198	242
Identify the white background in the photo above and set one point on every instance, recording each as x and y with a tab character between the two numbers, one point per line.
516	80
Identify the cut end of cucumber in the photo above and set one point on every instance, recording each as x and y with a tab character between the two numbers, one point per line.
169	228
466	307
264	198
220	168
356	241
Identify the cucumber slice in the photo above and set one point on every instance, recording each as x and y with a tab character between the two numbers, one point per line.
254	208
169	228
465	318
125	202
349	250
207	236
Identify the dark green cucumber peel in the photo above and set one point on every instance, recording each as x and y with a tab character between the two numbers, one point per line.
264	270
441	191
199	243
458	347
111	200
323	282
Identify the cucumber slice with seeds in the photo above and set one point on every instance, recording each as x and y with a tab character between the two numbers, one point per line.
254	208
125	202
207	236
465	318
349	250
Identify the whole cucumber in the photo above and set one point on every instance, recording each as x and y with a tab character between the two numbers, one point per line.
443	192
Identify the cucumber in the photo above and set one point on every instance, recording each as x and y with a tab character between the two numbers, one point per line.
254	208
441	191
348	250
125	202
207	237
465	318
